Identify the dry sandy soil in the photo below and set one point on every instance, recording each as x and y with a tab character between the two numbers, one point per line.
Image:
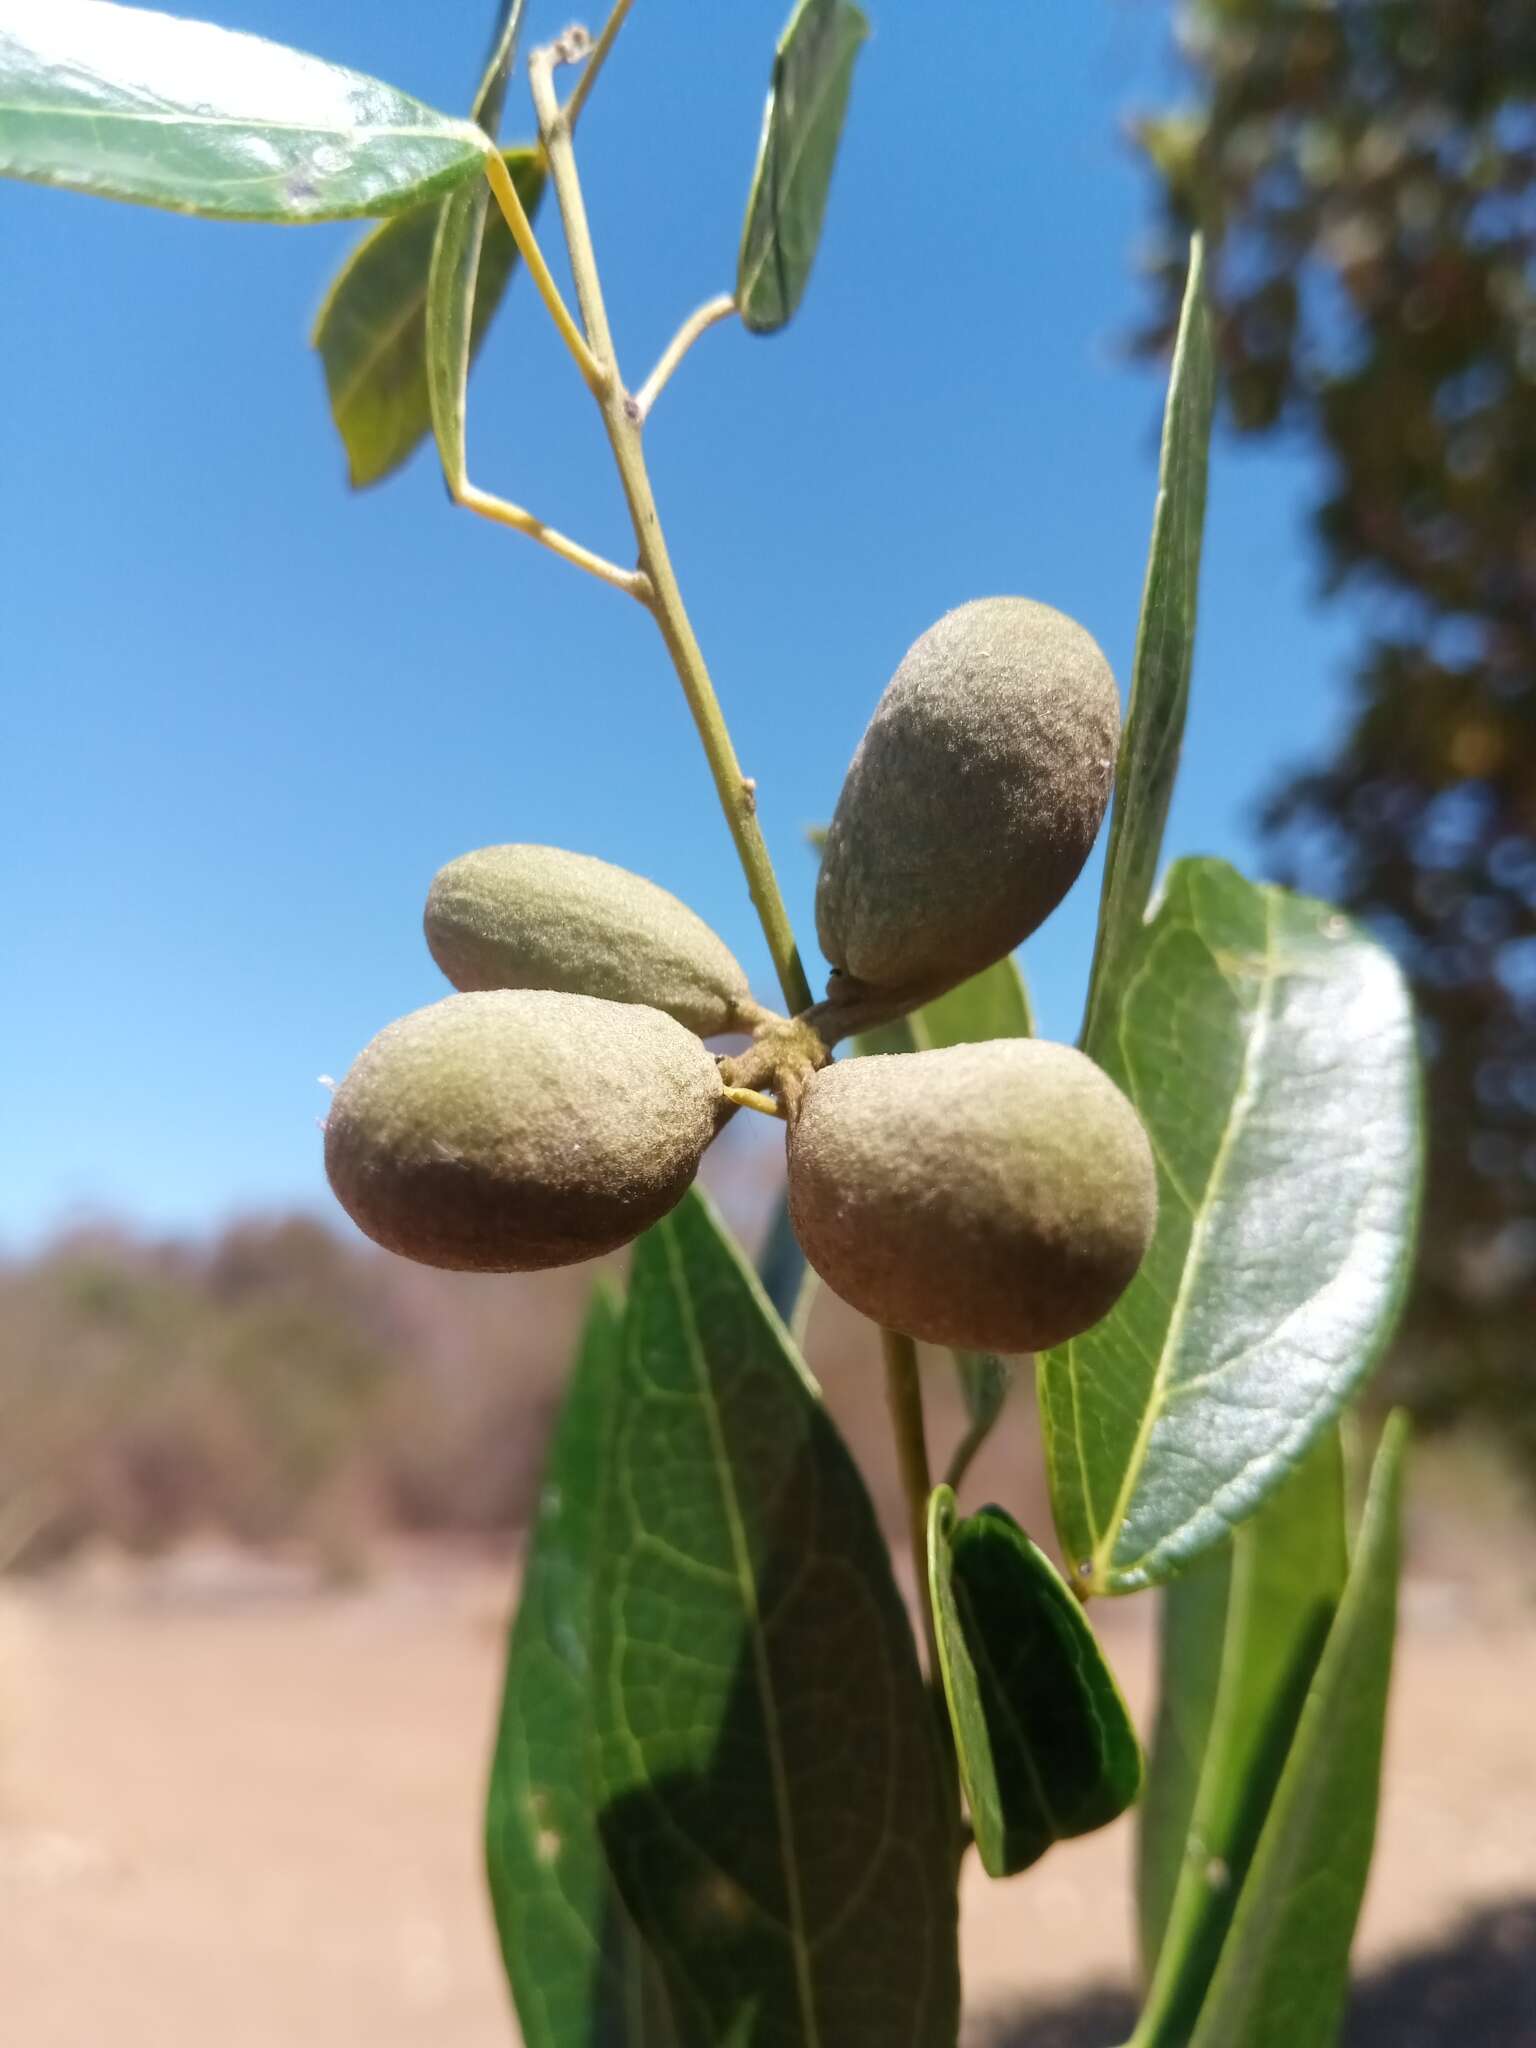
236	1811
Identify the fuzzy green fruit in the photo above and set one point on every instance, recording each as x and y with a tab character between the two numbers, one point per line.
972	801
997	1197
539	917
514	1129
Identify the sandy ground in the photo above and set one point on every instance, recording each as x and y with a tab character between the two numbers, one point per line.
234	1811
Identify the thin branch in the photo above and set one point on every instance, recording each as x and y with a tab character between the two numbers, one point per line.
596	60
522	233
904	1396
737	795
710	314
504	513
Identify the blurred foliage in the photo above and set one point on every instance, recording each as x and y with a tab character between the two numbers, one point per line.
272	1384
1367	170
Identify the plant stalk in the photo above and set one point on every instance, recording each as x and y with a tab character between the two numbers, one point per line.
621	418
904	1397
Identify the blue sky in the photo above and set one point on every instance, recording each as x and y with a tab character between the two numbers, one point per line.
249	714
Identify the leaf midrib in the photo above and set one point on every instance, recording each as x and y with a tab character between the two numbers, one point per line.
799	1944
1254	1048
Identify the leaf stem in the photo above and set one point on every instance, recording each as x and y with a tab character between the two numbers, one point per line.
596	61
621	417
710	314
504	513
904	1397
500	181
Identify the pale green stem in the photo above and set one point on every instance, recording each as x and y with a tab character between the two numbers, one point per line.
710	314
904	1397
738	798
596	61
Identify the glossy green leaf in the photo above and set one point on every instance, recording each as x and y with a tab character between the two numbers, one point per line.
772	1788
788	1279
1241	1637
1045	1746
132	104
1269	1048
992	1004
1284	1972
1165	645
372	330
803	123
579	1972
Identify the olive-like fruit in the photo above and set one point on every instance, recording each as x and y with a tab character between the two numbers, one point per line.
539	917
997	1196
972	801
513	1129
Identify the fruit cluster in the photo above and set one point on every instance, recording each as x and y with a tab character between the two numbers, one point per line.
996	1196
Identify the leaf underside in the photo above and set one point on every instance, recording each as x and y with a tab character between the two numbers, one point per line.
1268	1046
1045	1747
812	77
132	104
371	333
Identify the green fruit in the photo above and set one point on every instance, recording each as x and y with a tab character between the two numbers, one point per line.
997	1197
514	1129
972	801
538	917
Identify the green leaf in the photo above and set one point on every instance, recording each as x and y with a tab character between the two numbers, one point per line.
1165	642
1269	1048
985	1383
802	125
372	330
491	93
1045	1746
1241	1637
992	1004
131	104
578	1970
788	1280
1284	1972
773	1793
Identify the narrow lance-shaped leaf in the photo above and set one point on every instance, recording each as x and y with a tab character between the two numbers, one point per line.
1268	1046
1045	1746
807	103
1241	1636
772	1791
579	1972
372	330
1284	1972
1165	643
132	104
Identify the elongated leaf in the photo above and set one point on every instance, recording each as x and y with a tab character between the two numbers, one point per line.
1269	1048
773	1795
462	291
579	1972
1284	1970
788	1280
992	1004
803	123
1165	645
985	1382
372	330
1045	1746
1242	1635
132	104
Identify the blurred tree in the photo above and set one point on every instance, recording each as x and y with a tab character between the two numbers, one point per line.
1367	170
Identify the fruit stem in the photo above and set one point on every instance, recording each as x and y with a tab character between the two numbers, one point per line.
904	1397
621	418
